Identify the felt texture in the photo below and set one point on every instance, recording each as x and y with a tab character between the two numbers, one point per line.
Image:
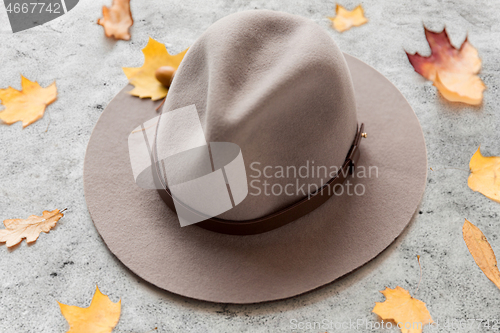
338	237
256	78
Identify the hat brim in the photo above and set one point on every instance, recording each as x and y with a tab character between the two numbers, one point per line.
335	239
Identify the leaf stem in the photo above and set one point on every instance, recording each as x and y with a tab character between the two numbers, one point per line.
450	168
51	216
420	280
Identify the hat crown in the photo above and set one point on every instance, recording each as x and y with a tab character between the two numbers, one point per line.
278	86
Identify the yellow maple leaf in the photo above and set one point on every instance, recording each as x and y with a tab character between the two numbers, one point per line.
28	104
485	175
409	313
143	78
345	20
100	317
481	251
30	228
117	20
453	71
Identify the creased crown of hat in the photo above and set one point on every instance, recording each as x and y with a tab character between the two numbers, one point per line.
276	85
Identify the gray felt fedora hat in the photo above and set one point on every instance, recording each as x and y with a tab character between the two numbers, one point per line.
276	85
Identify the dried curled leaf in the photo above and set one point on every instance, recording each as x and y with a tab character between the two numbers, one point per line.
481	252
28	104
409	313
100	317
485	175
117	20
345	20
453	71
30	228
143	78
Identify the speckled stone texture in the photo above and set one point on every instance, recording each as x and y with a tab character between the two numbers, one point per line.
42	169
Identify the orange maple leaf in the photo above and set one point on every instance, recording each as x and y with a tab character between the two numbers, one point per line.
143	78
18	229
28	104
100	317
117	20
345	20
410	314
453	71
485	175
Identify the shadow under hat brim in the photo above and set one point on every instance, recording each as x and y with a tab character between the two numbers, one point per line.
338	237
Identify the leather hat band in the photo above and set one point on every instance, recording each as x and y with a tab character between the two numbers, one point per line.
283	216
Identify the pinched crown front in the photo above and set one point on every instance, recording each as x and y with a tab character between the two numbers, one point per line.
276	85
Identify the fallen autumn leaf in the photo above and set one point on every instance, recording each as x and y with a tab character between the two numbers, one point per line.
452	71
345	20
100	317
30	228
410	314
117	20
143	78
28	104
481	251
485	175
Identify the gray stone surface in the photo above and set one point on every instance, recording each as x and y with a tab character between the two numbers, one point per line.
42	169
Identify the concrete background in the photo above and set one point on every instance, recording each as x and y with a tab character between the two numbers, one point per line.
42	169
